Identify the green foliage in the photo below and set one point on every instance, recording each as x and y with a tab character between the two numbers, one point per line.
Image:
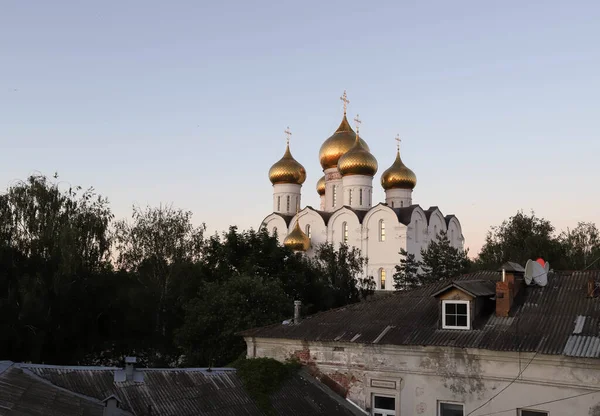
581	246
262	377
439	261
407	274
221	310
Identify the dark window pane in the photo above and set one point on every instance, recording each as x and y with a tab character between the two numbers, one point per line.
533	413
461	320
387	403
451	409
450	320
461	308
450	308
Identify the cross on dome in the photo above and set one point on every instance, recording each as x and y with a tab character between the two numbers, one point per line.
345	100
357	121
288	134
398	139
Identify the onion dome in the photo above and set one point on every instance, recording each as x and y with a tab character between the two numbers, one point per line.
398	176
338	144
321	186
287	170
358	161
297	240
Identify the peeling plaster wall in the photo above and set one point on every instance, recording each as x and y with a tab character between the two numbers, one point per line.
419	377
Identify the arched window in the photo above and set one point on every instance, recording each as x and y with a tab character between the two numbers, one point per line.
401	204
381	230
392	204
350	197
452	236
307	228
382	278
278	203
435	232
334	196
345	232
287	203
360	197
416	231
274	231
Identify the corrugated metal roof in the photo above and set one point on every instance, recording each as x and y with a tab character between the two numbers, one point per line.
23	394
543	319
187	392
473	287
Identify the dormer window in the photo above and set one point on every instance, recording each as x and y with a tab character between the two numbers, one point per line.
456	314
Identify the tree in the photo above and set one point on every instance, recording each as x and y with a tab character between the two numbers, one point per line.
53	245
443	261
581	246
222	309
159	249
407	274
520	238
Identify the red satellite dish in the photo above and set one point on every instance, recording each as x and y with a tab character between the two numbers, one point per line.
541	261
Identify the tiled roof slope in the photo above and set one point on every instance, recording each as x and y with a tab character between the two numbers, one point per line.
23	394
557	319
192	391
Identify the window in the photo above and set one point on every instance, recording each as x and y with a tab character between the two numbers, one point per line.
334	196
392	204
307	228
401	204
417	231
456	314
523	412
360	197
274	230
350	197
384	406
382	278
288	203
381	230
435	231
278	203
345	231
451	409
452	236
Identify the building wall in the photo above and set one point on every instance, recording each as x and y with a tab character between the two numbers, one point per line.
420	377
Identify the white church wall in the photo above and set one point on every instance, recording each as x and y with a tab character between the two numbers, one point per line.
275	222
417	233
336	228
286	197
383	254
437	224
318	230
455	233
361	187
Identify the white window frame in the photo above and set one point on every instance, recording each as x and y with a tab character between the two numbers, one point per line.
440	402
381	230
542	412
385	412
444	326
307	228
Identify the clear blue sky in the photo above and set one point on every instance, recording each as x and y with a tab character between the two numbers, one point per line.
185	102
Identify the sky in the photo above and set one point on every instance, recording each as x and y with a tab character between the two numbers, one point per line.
185	102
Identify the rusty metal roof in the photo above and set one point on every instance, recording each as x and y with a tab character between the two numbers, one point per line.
187	392
557	319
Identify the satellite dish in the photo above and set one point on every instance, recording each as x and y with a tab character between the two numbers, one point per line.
536	273
529	272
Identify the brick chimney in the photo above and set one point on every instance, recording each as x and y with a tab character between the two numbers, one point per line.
508	288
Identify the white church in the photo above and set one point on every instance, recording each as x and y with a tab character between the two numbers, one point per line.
347	213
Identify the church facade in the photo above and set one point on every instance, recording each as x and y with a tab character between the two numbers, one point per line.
347	213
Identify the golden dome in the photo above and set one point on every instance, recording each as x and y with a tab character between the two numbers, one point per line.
287	170
357	161
297	240
339	143
321	186
398	176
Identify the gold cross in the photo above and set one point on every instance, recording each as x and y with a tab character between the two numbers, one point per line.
345	100
398	139
357	121
288	133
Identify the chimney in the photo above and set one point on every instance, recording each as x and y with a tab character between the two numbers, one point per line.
505	293
297	306
130	367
